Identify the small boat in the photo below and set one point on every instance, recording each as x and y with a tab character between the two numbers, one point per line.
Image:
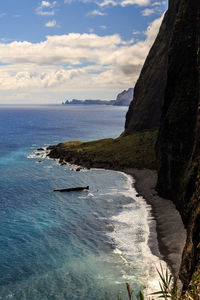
75	189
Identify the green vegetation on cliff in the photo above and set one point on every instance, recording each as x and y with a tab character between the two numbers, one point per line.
136	150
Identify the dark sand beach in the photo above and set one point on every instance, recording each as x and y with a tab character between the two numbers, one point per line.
171	233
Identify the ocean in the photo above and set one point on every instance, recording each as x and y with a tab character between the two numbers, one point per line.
79	245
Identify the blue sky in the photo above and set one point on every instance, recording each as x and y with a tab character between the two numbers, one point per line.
56	50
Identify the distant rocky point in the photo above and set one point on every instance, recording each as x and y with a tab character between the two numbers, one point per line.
88	102
123	99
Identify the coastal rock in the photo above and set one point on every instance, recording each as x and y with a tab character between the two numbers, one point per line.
78	169
40	149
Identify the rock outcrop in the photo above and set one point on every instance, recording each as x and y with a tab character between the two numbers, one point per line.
145	109
178	144
124	98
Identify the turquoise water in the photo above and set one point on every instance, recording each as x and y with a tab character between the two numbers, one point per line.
79	245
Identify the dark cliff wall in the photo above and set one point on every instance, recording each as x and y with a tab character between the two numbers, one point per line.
145	109
179	138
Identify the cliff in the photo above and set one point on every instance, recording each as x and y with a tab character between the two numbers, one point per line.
166	95
124	98
145	109
178	144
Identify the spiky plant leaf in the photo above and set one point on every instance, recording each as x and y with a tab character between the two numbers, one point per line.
141	296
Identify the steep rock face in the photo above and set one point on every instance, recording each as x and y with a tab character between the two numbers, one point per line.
145	109
179	139
124	98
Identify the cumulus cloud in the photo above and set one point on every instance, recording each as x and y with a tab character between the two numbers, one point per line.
125	2
136	32
122	3
104	27
6	40
46	8
96	13
159	3
45	4
148	11
108	2
65	62
52	23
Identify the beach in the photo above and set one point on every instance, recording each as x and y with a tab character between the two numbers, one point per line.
171	233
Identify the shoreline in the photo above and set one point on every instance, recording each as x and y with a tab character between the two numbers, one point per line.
171	234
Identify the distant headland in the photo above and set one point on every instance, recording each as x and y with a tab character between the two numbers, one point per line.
123	99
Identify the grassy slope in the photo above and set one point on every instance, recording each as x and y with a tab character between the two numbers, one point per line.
136	150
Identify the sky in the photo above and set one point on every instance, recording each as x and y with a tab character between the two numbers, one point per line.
51	51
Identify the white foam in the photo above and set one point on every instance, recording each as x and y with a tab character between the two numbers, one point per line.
91	195
120	253
131	235
39	153
118	282
109	200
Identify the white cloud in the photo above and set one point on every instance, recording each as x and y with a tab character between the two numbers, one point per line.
148	11
104	27
157	3
135	32
41	12
46	8
48	4
124	2
108	2
45	4
137	2
52	24
73	62
96	13
6	40
153	29
2	15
